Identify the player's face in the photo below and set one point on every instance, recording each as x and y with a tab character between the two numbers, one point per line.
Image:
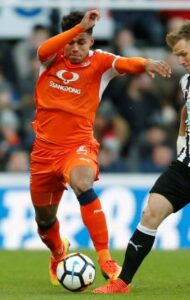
182	51
77	49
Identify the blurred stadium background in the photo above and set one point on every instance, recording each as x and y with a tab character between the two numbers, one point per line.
136	124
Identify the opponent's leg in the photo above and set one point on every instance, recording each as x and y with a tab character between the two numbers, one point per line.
140	244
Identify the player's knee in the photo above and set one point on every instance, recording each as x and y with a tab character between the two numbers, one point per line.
82	185
150	218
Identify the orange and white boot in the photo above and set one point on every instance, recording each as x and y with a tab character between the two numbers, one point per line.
110	269
117	286
54	262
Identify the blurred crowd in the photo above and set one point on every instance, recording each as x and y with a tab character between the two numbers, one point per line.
137	123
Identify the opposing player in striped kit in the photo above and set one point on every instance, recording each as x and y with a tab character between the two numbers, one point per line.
171	192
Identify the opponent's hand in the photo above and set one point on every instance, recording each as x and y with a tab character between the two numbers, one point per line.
90	18
160	67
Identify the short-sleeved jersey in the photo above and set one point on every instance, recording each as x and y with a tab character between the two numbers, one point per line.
184	155
67	97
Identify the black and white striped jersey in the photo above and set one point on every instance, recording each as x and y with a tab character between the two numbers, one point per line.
184	155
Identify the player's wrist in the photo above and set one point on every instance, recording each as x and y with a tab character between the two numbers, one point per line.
80	27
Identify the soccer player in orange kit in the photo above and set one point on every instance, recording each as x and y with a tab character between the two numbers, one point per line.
68	92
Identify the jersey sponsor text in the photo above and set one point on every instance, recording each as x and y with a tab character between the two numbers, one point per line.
64	88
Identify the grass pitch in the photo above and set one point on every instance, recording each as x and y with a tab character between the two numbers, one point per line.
163	275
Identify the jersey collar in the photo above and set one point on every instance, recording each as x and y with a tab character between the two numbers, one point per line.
85	63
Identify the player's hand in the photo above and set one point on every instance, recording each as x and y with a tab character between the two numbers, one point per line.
160	67
90	18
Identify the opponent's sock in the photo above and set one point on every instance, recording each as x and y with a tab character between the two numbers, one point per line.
94	219
138	247
50	236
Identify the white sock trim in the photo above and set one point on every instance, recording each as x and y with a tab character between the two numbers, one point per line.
146	230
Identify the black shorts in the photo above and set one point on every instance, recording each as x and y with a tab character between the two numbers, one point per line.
174	184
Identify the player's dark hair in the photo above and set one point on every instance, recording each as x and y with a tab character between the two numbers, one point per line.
182	33
73	19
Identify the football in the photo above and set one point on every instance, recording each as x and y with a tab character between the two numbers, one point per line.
76	272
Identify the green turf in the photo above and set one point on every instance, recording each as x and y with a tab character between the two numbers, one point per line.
164	275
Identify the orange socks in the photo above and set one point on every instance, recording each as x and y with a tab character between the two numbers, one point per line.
103	256
51	238
94	219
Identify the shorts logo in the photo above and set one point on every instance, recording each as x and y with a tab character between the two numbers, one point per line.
67	76
82	150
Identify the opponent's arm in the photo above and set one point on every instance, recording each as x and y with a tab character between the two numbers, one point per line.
137	65
50	47
182	128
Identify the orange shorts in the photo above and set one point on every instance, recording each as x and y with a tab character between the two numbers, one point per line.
51	166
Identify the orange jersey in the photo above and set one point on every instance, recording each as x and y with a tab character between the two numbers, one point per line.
68	95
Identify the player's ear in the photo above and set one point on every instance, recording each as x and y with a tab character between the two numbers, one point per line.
92	42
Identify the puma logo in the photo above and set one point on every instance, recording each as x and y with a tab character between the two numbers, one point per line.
97	211
135	246
44	236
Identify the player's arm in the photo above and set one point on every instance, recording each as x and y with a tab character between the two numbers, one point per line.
182	128
50	47
138	65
